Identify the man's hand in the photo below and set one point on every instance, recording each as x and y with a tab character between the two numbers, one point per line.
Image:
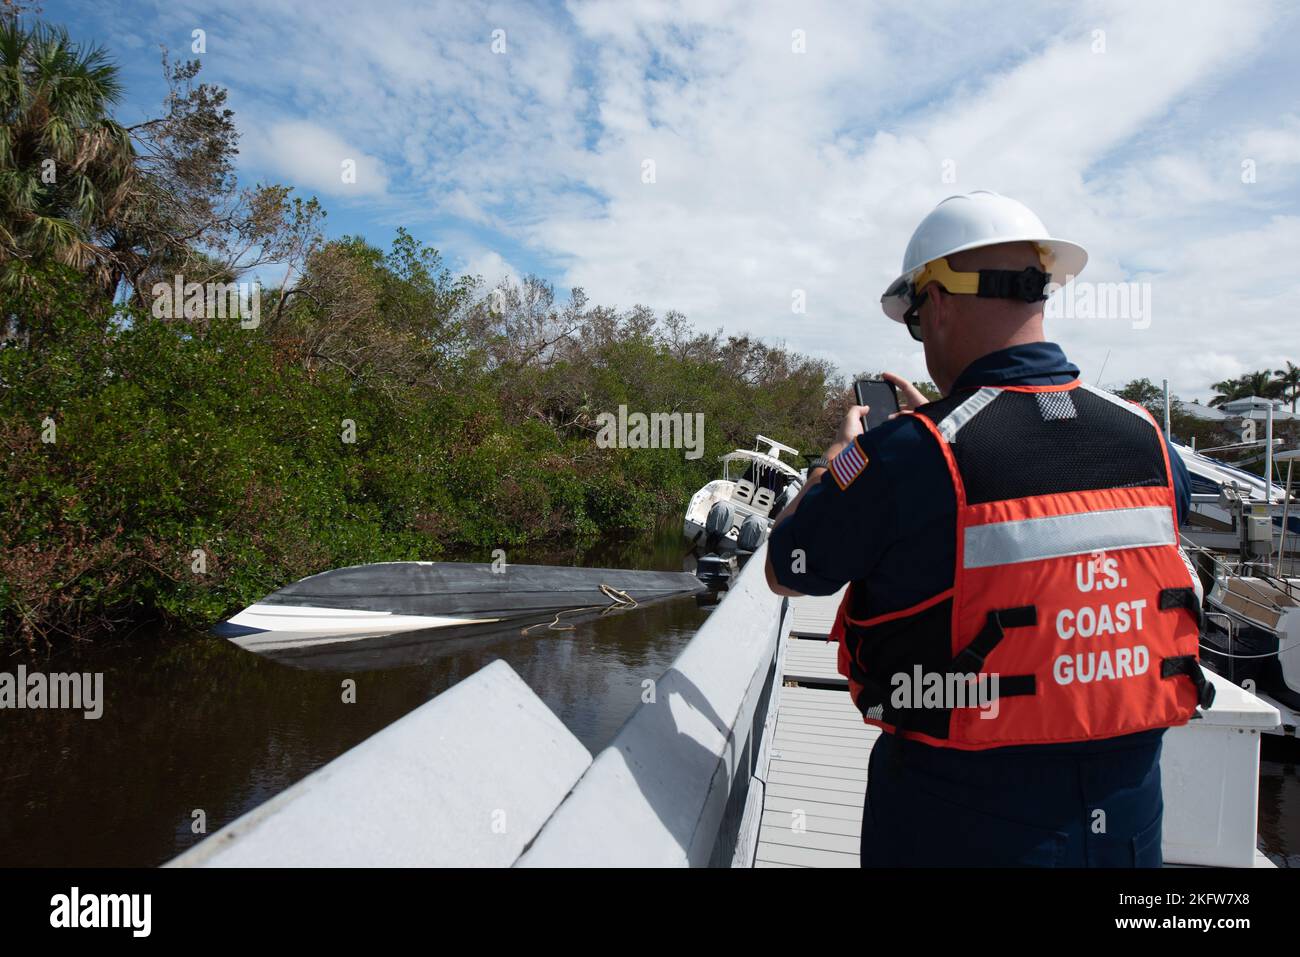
909	396
850	429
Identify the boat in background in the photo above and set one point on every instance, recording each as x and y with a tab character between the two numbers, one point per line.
755	487
1243	537
1252	631
1231	506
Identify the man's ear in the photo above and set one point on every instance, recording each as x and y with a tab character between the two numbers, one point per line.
941	310
937	299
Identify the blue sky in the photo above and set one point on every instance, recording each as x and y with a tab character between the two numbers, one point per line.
780	169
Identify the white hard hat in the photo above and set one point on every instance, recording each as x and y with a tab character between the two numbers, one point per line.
972	220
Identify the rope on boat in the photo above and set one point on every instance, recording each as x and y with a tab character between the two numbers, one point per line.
617	599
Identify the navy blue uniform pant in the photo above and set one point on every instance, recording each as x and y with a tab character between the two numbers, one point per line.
1013	807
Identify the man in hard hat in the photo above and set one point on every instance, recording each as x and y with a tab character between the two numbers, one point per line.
1019	620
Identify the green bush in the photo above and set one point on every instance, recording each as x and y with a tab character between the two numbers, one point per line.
175	443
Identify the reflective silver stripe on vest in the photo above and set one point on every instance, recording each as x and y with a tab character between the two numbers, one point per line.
1032	539
1115	400
951	423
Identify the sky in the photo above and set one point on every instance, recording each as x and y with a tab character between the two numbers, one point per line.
760	167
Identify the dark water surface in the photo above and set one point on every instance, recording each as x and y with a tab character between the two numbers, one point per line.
194	723
1279	800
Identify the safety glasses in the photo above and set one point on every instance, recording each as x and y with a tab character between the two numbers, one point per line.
912	318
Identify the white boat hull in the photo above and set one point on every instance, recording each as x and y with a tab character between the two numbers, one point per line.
697	511
274	627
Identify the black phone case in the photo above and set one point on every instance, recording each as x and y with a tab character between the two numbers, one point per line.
863	399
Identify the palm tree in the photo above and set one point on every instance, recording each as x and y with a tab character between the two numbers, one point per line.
1228	390
1262	384
65	166
1289	380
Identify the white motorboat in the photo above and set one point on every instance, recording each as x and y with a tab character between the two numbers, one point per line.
1243	535
1232	507
755	486
1252	632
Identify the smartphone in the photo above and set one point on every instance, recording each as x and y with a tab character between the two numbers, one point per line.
881	396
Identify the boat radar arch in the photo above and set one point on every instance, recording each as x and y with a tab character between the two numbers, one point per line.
775	448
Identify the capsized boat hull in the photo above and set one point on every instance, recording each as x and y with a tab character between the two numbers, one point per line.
402	649
456	598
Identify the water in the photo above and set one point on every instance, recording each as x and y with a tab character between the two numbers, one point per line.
194	724
1279	800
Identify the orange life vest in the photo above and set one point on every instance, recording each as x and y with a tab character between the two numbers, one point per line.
1073	615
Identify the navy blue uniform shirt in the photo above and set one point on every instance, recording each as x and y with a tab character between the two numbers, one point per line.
893	531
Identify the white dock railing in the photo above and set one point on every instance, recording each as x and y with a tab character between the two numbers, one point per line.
678	786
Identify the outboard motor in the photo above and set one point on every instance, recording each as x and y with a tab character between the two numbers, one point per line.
718	563
715	571
720	519
752	532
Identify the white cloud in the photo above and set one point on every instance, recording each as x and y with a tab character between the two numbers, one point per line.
316	158
492	267
778	171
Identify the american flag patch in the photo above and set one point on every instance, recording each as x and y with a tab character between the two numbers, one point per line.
848	465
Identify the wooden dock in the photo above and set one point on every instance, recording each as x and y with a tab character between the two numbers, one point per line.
817	776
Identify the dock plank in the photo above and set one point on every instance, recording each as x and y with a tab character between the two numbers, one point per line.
815	781
846	827
814	614
810	660
820	769
796	739
821	757
820	795
809	727
783	807
810	840
803	856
